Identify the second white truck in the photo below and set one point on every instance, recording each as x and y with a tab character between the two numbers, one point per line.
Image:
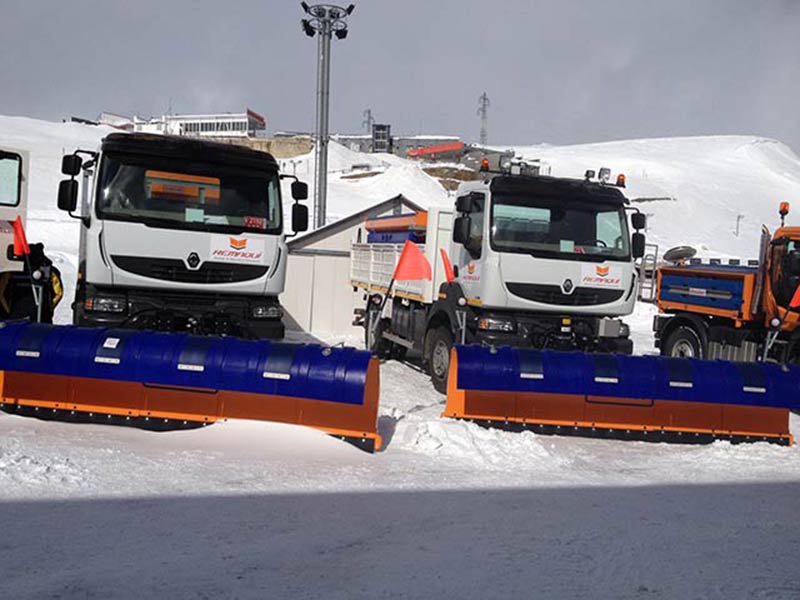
539	261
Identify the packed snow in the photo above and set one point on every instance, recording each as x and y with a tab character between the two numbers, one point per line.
447	509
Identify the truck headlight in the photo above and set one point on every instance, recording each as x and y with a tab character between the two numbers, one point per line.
492	324
105	304
266	311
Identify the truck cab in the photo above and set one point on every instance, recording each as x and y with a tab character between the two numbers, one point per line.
532	251
180	234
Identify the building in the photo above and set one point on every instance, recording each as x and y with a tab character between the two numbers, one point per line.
319	297
382	140
222	125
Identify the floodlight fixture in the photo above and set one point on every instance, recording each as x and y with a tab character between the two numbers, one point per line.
326	20
307	28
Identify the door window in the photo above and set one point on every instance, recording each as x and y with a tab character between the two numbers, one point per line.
10	178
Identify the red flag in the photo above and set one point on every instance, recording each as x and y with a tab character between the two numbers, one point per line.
448	268
795	303
412	266
20	241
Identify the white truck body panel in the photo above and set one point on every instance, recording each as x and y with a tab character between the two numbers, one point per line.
372	265
10	182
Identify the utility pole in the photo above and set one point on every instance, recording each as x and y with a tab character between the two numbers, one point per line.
368	121
483	113
739	219
325	20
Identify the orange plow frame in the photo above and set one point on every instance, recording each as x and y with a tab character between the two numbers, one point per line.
142	404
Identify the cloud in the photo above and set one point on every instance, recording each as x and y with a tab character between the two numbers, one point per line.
560	72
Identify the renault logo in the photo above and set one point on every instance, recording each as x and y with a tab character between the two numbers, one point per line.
567	287
193	261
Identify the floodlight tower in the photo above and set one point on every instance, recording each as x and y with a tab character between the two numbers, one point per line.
483	113
326	20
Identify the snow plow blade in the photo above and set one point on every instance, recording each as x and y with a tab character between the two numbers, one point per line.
649	398
168	381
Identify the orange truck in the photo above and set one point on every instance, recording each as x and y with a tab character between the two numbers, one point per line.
737	313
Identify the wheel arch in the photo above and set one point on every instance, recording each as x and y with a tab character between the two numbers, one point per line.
694	322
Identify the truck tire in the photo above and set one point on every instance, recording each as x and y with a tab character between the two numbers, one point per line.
439	343
684	342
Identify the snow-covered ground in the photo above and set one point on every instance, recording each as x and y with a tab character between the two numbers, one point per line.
447	509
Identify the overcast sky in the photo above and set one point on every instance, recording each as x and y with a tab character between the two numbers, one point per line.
560	71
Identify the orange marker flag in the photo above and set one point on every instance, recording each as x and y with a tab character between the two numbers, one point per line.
412	266
448	268
20	241
795	303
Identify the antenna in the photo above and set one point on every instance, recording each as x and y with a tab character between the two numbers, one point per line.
368	121
483	113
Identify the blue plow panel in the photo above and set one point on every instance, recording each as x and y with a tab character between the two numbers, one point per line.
262	367
628	377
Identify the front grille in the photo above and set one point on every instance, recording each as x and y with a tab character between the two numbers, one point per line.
552	294
168	269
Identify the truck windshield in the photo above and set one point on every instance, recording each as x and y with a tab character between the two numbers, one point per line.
166	193
559	228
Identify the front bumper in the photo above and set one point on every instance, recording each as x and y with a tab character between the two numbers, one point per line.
200	314
556	332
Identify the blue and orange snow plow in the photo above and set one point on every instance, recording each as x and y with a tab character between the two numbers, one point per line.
166	381
630	397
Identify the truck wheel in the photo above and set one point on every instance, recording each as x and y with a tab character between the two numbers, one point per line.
440	343
684	342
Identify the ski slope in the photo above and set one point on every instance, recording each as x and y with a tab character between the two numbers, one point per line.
448	509
705	184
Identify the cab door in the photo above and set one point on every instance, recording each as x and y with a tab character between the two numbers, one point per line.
468	252
13	201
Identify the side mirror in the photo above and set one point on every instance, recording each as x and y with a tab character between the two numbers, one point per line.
637	245
464	204
71	165
299	190
299	217
639	221
461	227
68	195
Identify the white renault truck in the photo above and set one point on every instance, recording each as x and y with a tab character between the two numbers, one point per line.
180	234
539	261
